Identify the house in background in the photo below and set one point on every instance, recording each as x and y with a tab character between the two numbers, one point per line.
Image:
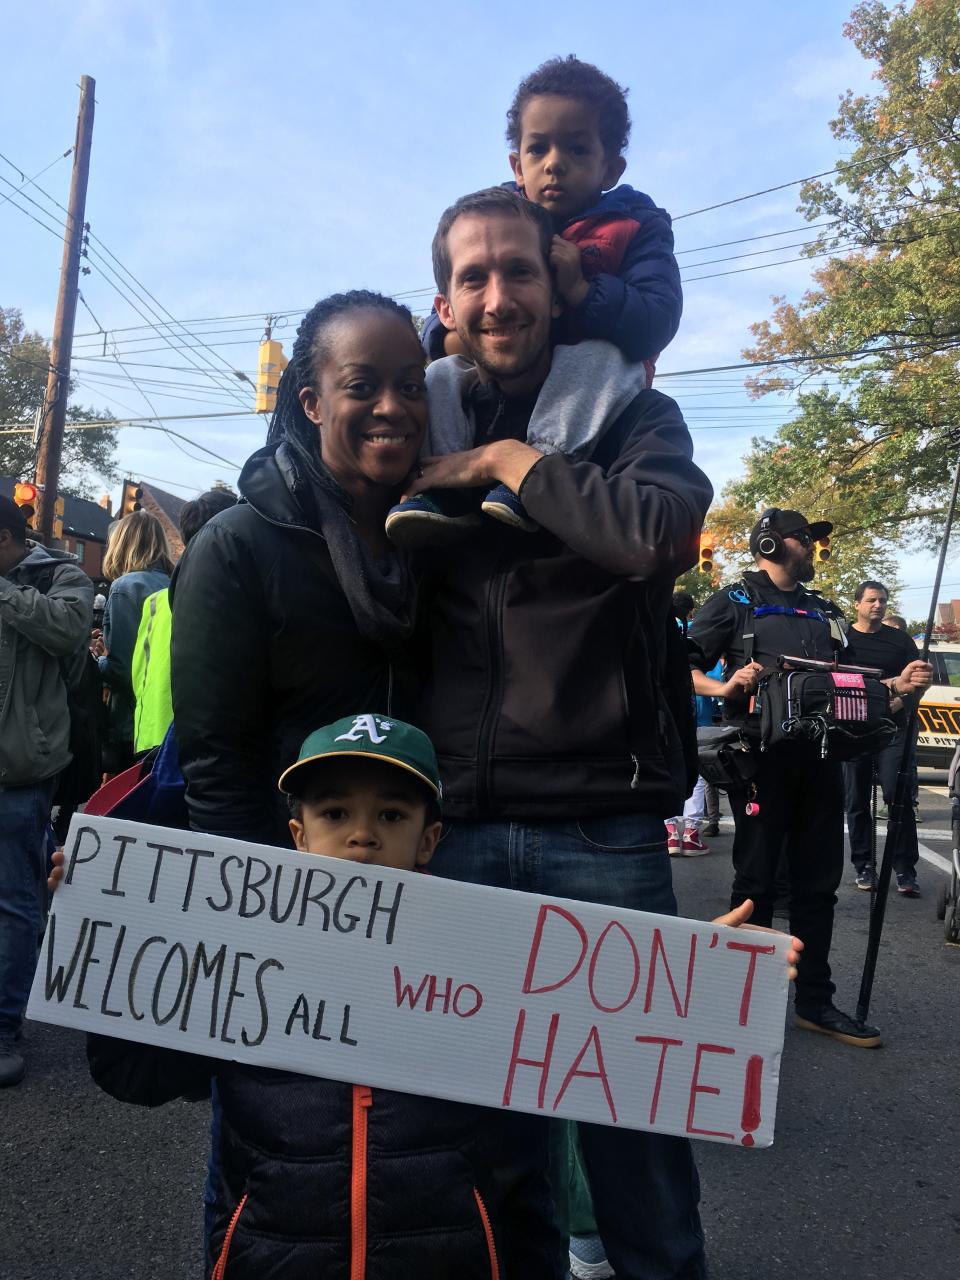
85	526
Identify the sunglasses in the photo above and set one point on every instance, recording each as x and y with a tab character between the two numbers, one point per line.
802	537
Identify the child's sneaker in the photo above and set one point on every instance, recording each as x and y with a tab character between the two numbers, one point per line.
674	843
588	1258
691	846
420	522
504	505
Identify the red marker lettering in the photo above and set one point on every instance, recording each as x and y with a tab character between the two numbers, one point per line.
696	1087
664	1044
750	1116
616	968
592	1041
543	1063
528	987
655	947
754	950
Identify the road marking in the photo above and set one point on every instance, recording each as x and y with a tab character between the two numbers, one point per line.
935	859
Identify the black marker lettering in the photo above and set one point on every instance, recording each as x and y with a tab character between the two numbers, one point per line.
56	983
122	841
88	960
180	951
234	992
228	902
135	969
193	855
117	949
252	1042
351	921
75	851
161	850
210	966
308	897
390	912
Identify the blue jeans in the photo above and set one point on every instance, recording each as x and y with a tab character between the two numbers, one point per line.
25	848
645	1185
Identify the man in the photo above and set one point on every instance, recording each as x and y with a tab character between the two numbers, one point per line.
551	652
46	607
871	644
800	796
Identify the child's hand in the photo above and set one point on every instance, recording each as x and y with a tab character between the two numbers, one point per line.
737	919
56	869
571	282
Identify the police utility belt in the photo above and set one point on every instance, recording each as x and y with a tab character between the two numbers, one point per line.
843	710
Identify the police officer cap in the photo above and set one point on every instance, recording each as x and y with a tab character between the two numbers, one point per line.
787	523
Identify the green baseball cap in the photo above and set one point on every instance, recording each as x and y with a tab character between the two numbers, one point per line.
374	738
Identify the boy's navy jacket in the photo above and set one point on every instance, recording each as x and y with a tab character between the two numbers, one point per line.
626	253
321	1178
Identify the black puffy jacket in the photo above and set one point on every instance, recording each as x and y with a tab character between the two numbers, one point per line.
559	682
327	1181
264	649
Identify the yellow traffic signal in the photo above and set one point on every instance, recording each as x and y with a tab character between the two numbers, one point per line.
271	363
705	561
822	548
131	500
25	496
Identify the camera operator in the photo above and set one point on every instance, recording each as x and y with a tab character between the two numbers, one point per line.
800	795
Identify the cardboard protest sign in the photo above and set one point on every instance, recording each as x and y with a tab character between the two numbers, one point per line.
411	982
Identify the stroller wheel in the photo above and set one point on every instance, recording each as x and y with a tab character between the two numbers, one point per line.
943	898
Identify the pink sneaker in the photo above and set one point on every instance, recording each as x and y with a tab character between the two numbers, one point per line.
674	843
691	846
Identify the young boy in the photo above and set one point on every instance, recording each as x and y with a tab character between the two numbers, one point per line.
447	1189
616	277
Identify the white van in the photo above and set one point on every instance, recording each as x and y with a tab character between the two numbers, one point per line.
939	710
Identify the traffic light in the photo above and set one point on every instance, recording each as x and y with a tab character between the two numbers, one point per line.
131	500
25	496
822	548
705	561
271	363
58	518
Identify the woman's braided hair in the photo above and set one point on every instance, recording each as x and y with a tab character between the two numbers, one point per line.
289	424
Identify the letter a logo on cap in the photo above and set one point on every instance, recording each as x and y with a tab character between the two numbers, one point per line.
366	725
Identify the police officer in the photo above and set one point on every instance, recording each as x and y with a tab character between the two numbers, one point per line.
800	796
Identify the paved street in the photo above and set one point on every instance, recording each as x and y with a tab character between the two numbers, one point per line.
861	1183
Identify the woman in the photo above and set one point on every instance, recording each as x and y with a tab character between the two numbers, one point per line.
290	610
138	563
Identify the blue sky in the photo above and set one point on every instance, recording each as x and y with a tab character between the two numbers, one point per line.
249	160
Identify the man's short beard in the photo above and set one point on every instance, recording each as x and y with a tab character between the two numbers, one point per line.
806	571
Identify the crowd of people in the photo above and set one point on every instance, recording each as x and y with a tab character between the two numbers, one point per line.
482	552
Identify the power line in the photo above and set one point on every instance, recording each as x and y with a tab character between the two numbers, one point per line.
25	181
783	186
137	284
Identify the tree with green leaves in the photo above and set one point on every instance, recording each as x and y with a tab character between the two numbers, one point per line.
89	456
870	444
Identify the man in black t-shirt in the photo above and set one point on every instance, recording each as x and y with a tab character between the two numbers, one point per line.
871	644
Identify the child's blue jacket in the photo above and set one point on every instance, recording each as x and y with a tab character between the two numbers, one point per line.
635	299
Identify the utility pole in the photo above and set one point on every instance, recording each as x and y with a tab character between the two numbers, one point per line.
58	378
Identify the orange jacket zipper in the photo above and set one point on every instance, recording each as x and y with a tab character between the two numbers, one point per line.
220	1270
488	1232
362	1101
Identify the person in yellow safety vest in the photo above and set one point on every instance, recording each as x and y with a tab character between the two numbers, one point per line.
151	653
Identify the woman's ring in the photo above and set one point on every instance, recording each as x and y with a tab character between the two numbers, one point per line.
419	473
